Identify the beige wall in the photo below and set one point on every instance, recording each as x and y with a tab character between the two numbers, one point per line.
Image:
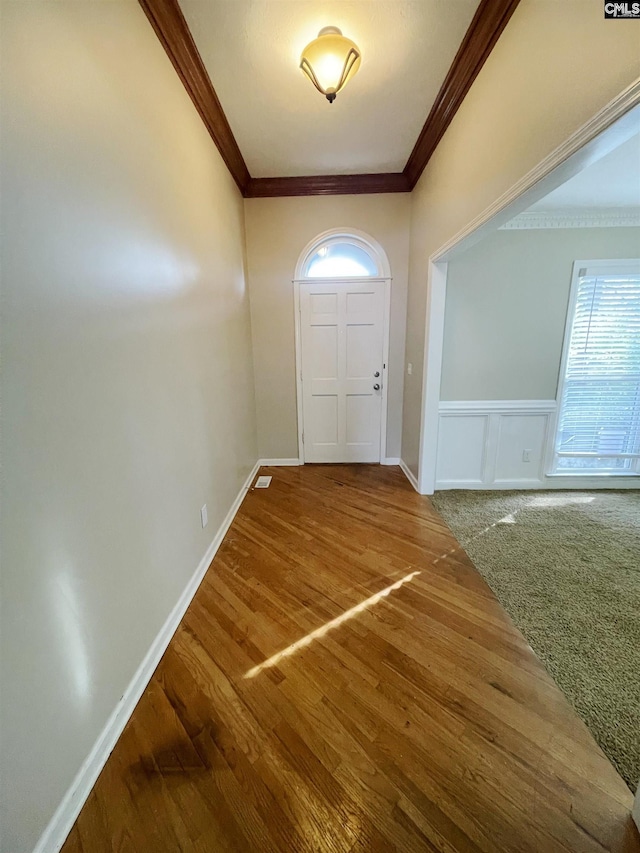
538	86
127	391
278	229
506	309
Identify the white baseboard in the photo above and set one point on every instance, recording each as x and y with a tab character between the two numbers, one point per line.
65	815
559	483
274	463
446	485
408	474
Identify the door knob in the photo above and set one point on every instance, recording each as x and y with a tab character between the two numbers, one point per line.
376	387
376	374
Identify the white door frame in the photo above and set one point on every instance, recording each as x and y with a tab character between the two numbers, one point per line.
375	250
385	352
580	150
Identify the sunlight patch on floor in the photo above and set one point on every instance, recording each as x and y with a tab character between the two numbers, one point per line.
560	500
507	519
328	626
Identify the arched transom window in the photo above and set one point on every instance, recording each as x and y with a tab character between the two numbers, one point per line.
342	256
340	260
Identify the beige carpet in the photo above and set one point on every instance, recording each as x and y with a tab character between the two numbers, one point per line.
566	567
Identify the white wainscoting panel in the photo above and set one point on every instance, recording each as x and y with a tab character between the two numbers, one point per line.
462	449
520	437
493	444
482	445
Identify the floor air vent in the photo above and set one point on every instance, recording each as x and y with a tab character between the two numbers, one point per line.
262	483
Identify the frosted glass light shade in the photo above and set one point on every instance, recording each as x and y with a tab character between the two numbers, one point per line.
330	61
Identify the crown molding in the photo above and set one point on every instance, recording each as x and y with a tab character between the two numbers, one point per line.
386	182
172	30
490	19
610	217
167	20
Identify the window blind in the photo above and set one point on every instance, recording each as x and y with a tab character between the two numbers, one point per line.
599	417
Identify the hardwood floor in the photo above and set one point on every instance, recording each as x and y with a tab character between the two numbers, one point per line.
344	680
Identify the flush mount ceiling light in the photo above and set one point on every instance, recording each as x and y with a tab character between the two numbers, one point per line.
330	61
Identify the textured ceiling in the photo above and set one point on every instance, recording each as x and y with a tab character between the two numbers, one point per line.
612	181
251	50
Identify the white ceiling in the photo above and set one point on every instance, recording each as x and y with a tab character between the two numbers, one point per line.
284	127
611	182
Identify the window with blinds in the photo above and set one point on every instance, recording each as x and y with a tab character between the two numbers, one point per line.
598	427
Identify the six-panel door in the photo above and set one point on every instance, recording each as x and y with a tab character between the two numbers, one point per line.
342	347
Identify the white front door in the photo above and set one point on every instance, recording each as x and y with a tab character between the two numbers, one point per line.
342	337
